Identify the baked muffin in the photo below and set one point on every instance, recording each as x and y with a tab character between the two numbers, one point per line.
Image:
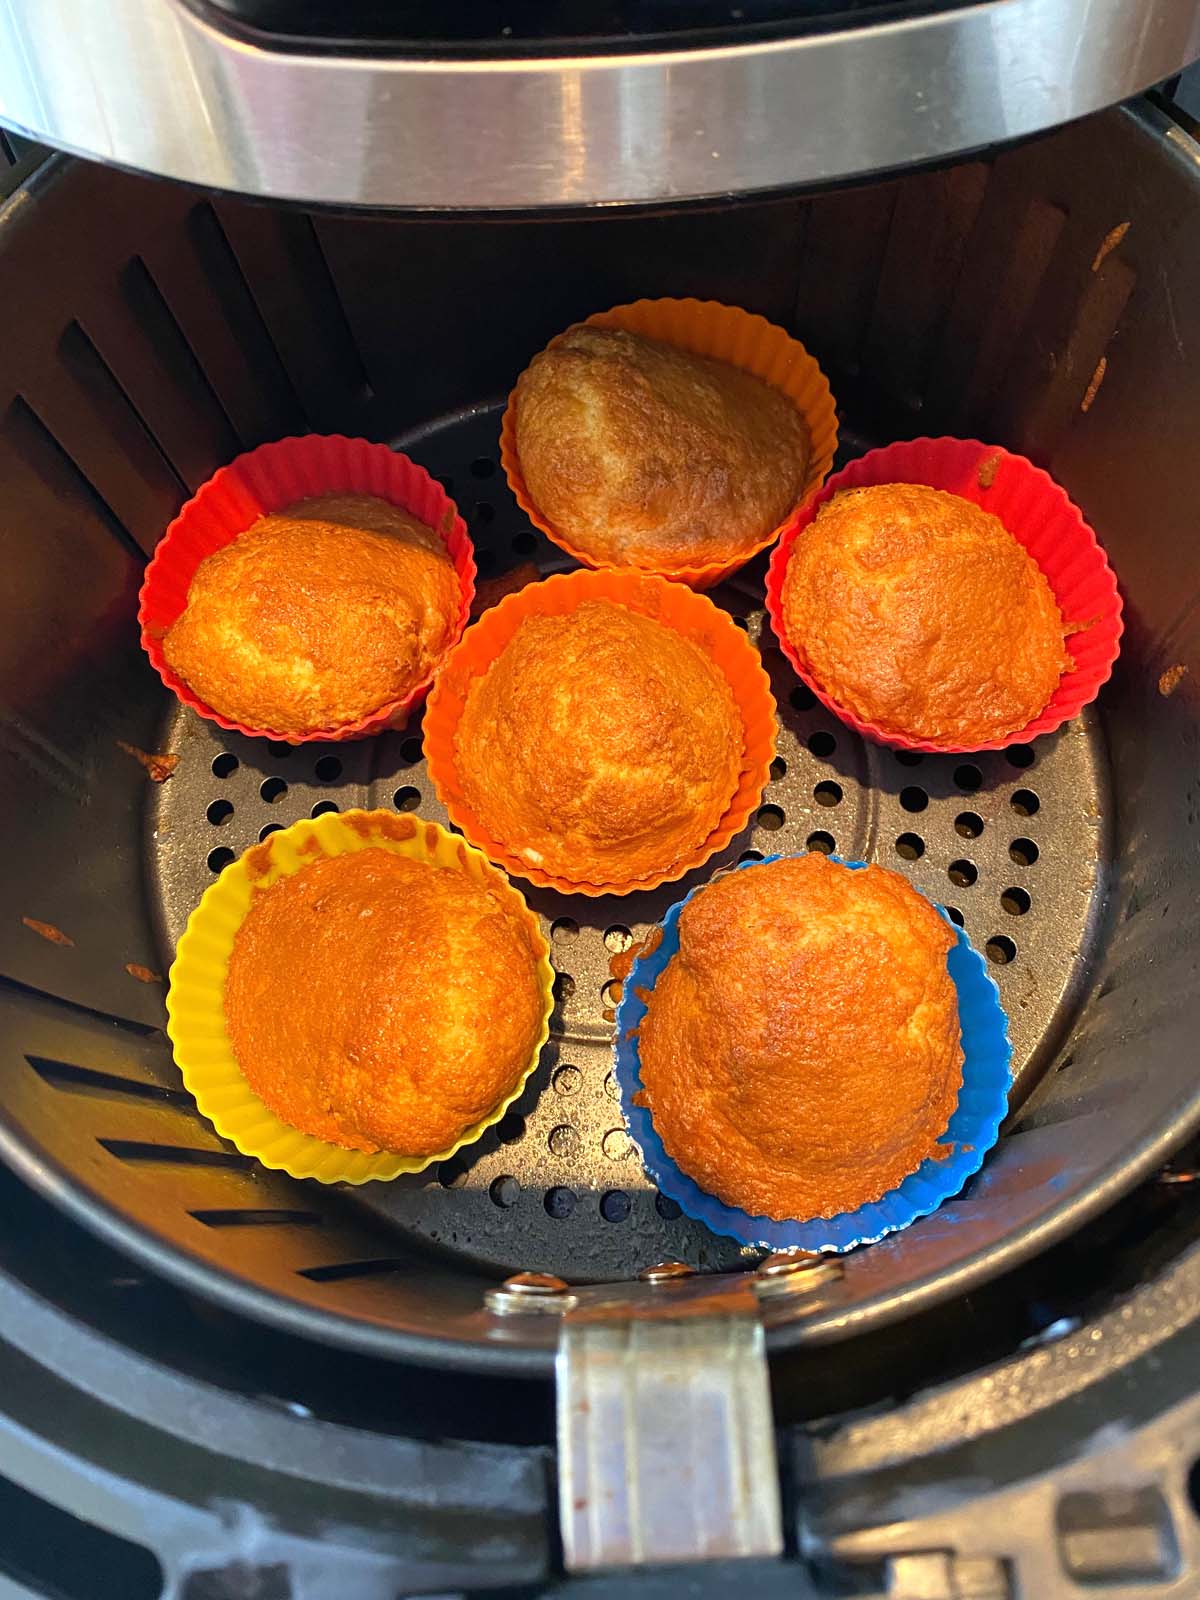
642	454
800	1054
918	611
599	746
316	616
382	1003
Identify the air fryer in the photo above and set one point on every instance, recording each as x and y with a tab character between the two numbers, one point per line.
1043	297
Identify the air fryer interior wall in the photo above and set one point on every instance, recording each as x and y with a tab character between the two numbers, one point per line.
1044	301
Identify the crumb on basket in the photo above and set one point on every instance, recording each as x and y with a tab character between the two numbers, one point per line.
1170	680
1109	243
1093	388
988	470
158	767
142	974
492	590
48	931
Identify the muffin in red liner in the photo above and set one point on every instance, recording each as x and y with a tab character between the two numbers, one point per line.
273	477
1039	515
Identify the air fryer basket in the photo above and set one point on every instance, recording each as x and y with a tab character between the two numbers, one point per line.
1044	300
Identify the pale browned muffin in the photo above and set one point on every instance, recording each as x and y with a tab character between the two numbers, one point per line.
599	746
382	1003
919	612
316	616
642	454
801	1053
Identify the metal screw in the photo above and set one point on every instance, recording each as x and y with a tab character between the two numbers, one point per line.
666	1272
529	1292
795	1271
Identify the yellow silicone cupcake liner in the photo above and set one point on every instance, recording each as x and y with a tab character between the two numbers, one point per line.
196	996
727	333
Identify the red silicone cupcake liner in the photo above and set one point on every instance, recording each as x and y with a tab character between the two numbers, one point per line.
268	479
1039	514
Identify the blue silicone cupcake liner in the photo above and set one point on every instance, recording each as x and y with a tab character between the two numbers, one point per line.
972	1130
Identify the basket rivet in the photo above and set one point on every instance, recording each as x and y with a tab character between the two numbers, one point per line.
529	1291
666	1272
796	1270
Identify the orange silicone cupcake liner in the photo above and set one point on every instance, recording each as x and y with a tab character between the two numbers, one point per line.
690	614
268	479
1039	515
706	328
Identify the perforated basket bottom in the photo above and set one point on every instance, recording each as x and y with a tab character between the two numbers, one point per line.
1012	843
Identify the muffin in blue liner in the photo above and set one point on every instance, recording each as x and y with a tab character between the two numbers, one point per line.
972	1130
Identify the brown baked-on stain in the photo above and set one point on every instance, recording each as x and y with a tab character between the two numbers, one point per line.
1170	680
317	616
1093	388
988	469
801	1052
599	746
642	454
47	931
379	1002
158	767
142	974
918	611
492	590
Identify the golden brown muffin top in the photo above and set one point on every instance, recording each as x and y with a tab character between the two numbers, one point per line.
381	1003
801	1052
316	616
918	611
599	746
642	454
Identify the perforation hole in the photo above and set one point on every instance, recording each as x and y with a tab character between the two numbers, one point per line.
611	1087
968	777
610	994
219	858
802	698
564	986
669	1210
908	758
524	544
279	748
617	1145
1024	852
272	789
328	769
968	825
751	855
219	812
504	1191
821	842
407	798
225	765
828	794
560	1202
962	873
617	939
615	1206
324	808
564	930
563	1141
410	751
1000	949
771	818
483	467
452	1174
271	827
1025	803
955	915
567	1080
778	769
913	799
910	847
483	512
822	744
1020	755
1016	902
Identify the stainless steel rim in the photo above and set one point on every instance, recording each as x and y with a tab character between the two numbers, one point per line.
155	85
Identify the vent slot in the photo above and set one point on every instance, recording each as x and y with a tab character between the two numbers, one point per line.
139	1150
67	1075
340	1271
225	1217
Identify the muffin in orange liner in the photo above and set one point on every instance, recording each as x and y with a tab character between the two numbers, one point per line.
196	1020
694	617
726	333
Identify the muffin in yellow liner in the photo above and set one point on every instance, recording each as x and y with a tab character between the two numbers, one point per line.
196	997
